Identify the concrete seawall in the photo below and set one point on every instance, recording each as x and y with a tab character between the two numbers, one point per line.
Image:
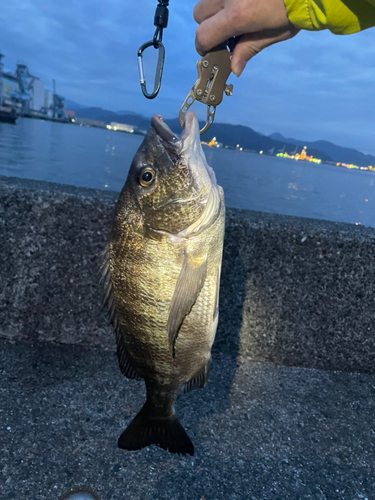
294	291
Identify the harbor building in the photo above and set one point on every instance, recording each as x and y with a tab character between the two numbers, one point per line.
26	94
37	94
48	100
9	84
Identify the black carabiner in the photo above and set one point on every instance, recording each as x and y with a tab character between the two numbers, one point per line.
159	67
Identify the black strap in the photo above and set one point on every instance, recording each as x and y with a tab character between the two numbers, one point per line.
160	21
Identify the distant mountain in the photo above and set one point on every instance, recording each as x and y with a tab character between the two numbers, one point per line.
231	135
137	120
73	105
279	137
337	153
247	138
94	113
126	112
106	116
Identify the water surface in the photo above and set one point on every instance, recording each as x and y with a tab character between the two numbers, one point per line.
99	158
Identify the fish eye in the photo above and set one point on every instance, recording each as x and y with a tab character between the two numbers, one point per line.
147	177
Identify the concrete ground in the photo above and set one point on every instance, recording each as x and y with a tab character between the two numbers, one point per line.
260	431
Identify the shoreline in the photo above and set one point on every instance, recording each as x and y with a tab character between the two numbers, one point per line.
83	122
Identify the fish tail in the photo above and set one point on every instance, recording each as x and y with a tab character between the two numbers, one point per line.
167	433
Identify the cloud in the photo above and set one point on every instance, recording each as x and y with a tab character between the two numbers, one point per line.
315	86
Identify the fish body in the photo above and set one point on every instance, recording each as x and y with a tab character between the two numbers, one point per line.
162	276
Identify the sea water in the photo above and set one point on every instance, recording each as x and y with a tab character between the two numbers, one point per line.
100	158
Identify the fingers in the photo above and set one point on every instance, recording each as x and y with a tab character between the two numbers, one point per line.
214	30
207	8
251	44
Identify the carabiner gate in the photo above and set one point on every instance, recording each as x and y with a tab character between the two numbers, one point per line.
159	67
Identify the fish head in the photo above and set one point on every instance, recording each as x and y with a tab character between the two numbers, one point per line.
169	178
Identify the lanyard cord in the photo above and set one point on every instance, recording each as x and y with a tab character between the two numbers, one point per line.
160	21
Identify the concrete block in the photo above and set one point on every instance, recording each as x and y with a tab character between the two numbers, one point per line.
294	291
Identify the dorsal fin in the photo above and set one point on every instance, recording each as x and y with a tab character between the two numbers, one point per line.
125	364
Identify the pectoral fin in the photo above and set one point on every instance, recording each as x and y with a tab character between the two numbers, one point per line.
189	285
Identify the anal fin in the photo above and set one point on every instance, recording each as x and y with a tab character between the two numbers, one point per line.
124	362
199	380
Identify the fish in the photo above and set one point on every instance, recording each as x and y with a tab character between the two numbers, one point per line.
161	274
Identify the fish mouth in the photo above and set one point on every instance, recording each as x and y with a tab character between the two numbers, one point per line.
187	146
191	141
189	134
169	139
175	144
191	127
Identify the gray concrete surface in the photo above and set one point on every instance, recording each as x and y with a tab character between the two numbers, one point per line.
260	432
293	291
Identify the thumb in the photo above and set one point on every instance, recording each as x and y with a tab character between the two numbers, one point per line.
252	43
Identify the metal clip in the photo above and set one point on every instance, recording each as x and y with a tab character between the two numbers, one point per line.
161	22
213	72
159	68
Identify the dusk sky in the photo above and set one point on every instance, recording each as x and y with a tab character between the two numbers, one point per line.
315	86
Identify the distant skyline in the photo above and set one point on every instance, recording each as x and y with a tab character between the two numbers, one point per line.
315	86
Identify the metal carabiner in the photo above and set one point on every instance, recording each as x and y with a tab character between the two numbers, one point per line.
157	44
161	22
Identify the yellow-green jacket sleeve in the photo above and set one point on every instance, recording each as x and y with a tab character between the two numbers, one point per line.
342	17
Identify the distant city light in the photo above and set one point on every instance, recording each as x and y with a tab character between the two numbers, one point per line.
302	156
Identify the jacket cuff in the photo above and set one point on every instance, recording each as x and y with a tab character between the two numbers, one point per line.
326	14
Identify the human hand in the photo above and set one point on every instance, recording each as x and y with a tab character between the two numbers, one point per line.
260	22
